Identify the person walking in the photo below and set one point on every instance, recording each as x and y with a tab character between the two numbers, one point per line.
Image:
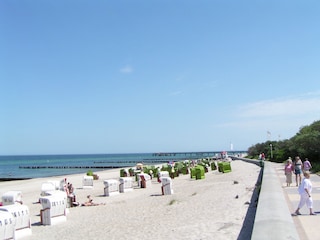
306	165
298	170
305	190
288	170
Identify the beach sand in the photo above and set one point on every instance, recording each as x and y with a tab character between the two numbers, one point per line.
211	208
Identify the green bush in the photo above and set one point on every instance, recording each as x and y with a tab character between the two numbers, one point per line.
90	173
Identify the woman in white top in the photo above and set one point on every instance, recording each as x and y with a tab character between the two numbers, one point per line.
305	190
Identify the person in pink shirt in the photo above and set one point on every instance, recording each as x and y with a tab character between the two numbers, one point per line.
306	165
288	170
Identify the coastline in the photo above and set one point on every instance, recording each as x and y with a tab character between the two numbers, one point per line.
198	209
37	166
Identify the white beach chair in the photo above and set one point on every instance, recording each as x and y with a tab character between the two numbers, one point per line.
7	223
163	174
63	194
126	184
12	197
144	180
111	187
47	186
22	220
56	184
62	184
87	182
166	187
53	210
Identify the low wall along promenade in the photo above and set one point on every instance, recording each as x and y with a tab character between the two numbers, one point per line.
273	219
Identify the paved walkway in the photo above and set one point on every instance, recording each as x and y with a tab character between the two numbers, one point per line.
307	226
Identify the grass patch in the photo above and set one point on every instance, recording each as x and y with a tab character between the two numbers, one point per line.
172	201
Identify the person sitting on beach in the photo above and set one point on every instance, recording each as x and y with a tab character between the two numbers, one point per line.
64	186
172	172
71	195
90	202
70	188
150	173
158	174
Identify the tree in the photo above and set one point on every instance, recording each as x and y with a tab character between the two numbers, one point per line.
304	144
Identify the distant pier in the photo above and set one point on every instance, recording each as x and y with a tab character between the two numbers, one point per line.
203	154
158	158
69	167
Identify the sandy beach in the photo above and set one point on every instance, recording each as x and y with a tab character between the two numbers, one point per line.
211	208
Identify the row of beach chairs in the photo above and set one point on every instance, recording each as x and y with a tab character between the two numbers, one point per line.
125	184
15	221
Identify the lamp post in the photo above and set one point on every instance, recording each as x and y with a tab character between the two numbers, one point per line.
271	150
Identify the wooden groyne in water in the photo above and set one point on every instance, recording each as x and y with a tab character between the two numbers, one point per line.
130	163
12	179
117	164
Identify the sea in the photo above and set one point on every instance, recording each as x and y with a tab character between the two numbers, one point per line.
38	166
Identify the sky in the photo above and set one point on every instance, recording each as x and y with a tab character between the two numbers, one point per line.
123	76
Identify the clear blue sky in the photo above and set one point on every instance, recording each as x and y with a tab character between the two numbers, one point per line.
155	76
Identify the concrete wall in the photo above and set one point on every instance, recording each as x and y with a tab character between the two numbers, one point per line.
273	219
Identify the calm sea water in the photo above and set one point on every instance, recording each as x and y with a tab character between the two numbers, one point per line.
16	167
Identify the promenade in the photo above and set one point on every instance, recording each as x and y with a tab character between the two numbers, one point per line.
277	202
306	225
